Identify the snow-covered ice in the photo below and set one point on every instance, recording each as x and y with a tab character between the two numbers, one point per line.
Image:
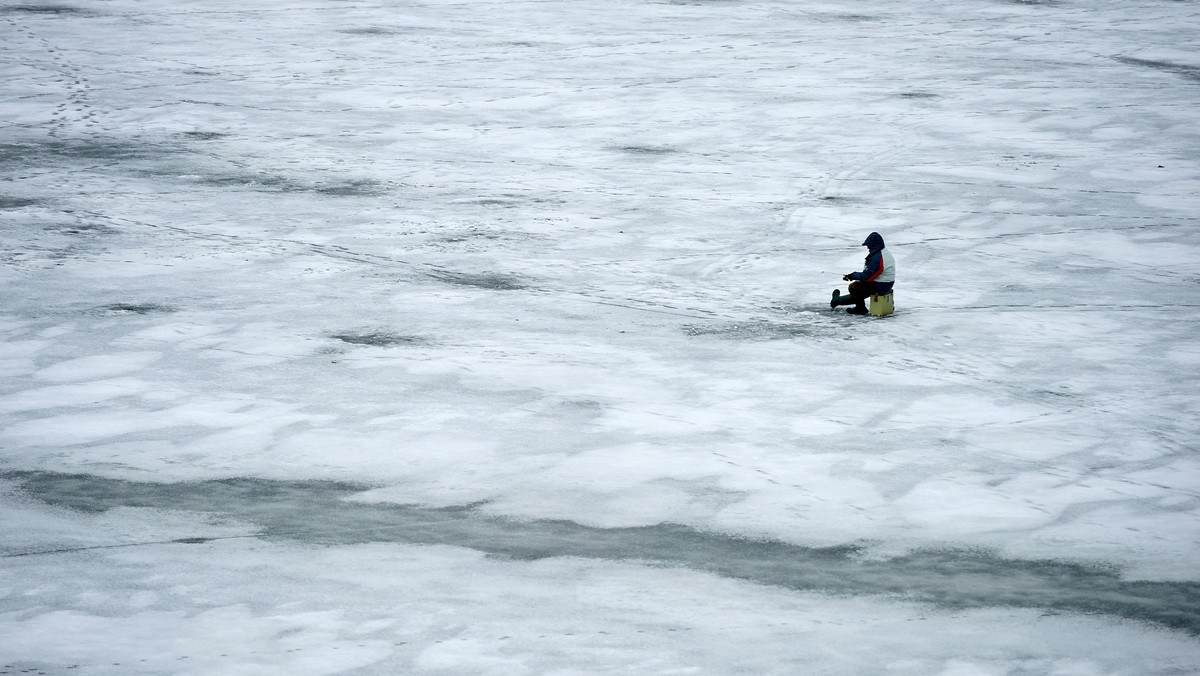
493	338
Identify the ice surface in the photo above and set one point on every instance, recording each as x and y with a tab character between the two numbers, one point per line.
560	271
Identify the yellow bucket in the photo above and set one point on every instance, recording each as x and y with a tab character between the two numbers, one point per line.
882	305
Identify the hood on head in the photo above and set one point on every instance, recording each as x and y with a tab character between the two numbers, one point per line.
874	242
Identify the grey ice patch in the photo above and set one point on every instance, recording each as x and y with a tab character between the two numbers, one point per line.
647	150
356	188
377	339
203	135
381	31
576	411
135	308
7	202
509	200
1189	72
918	95
322	513
506	202
279	184
82	229
42	9
486	280
469	236
372	30
479	239
35	153
1049	395
764	329
103	149
588	406
33	668
852	18
257	182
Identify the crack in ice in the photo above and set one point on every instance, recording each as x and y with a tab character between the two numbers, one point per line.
324	513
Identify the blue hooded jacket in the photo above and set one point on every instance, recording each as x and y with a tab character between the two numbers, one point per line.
879	268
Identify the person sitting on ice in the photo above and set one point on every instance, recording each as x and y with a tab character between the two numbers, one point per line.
876	278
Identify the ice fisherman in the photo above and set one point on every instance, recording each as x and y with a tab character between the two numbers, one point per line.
877	277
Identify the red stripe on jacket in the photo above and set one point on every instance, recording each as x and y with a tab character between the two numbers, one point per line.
879	262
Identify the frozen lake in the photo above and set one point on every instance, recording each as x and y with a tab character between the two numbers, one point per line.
494	338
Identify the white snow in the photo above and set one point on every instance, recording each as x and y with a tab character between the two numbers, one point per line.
571	261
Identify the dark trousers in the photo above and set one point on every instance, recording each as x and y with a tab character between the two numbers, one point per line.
861	291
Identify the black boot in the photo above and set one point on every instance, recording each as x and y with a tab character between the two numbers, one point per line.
839	299
859	309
